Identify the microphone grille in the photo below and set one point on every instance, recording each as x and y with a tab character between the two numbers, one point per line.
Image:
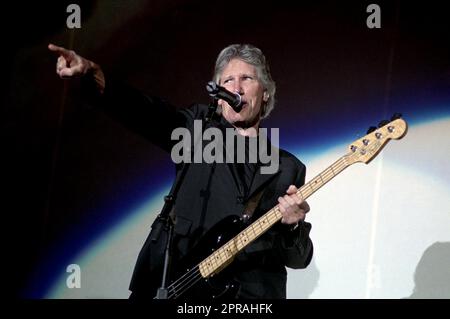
212	89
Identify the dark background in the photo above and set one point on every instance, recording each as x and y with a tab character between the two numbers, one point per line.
70	171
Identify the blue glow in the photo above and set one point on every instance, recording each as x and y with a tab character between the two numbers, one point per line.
82	234
145	212
325	136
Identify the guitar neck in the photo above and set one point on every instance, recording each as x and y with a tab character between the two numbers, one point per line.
225	254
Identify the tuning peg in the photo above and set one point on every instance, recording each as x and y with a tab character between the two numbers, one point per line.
396	116
371	129
383	123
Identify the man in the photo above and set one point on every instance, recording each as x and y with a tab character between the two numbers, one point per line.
210	192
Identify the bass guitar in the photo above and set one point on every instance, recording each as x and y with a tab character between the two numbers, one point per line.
223	242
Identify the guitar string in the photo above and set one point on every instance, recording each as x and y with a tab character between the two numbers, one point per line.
193	276
184	282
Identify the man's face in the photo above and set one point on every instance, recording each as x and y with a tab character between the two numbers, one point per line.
240	77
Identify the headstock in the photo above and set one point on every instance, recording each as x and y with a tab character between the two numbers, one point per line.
367	147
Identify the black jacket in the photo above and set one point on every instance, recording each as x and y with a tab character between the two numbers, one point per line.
211	192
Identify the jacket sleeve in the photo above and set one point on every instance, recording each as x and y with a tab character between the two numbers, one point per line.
149	116
295	246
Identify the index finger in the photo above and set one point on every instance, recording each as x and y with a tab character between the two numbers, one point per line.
291	190
60	50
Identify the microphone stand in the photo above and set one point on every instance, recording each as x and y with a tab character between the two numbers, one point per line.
165	220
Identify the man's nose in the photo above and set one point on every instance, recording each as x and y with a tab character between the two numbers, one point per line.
237	87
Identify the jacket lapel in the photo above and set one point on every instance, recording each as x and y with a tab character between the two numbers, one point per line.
261	180
237	179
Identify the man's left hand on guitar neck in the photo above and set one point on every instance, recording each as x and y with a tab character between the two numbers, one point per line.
292	207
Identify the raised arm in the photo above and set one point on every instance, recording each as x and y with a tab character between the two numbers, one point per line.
148	116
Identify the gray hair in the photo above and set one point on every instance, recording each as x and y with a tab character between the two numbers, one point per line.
254	56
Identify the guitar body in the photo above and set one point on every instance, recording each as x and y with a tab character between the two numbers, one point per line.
220	286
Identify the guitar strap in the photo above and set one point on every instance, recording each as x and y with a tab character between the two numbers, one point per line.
252	204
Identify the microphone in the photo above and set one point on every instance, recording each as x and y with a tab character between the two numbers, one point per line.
219	92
